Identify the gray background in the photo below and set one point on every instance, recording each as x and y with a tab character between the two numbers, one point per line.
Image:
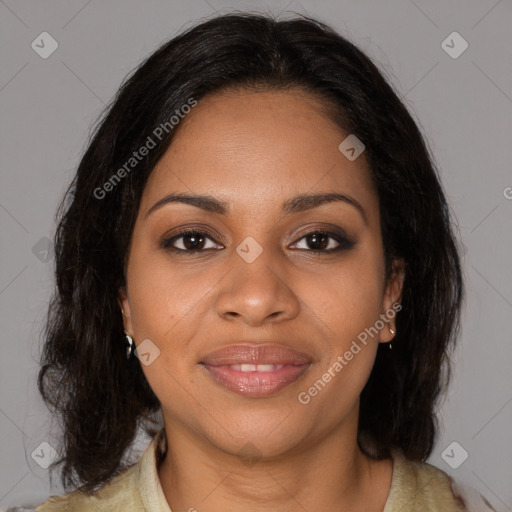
463	106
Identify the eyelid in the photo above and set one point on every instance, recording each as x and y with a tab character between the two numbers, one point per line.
195	228
330	229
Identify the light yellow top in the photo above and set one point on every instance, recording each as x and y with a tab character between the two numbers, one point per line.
414	487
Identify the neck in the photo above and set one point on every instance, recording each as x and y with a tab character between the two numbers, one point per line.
331	473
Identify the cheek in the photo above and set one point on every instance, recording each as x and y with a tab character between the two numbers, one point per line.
162	297
349	304
348	299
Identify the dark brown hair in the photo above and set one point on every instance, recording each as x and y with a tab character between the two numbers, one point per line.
101	398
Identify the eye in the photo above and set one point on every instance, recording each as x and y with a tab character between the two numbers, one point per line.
194	241
190	241
322	241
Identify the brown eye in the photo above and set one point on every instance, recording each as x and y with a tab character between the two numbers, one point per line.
318	240
190	241
325	241
194	241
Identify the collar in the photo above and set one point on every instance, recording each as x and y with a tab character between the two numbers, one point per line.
151	492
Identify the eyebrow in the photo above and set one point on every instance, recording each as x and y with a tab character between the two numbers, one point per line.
296	204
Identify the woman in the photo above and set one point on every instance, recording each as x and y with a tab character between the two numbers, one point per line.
258	216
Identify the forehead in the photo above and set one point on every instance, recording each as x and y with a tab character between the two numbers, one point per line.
258	148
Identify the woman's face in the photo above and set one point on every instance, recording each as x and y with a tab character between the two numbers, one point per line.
252	277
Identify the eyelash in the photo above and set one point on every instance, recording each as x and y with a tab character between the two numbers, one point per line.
344	243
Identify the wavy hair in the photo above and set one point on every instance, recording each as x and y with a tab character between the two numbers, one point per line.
98	396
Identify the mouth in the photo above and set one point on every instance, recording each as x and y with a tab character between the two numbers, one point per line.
256	370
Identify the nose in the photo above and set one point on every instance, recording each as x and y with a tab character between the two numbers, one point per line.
257	292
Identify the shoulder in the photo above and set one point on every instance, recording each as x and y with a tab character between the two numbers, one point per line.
116	496
422	486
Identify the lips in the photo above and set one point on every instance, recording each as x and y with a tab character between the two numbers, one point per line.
255	354
256	370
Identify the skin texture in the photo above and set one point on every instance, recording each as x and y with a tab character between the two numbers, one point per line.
255	150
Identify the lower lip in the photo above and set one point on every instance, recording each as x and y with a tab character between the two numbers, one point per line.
256	384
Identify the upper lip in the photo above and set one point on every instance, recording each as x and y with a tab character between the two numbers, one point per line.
256	354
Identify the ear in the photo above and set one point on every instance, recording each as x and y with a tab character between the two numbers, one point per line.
124	305
391	300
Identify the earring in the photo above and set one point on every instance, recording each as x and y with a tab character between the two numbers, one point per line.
392	332
129	346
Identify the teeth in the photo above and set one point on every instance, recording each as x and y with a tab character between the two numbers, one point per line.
256	367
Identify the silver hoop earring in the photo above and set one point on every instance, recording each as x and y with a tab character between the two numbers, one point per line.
392	332
129	346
